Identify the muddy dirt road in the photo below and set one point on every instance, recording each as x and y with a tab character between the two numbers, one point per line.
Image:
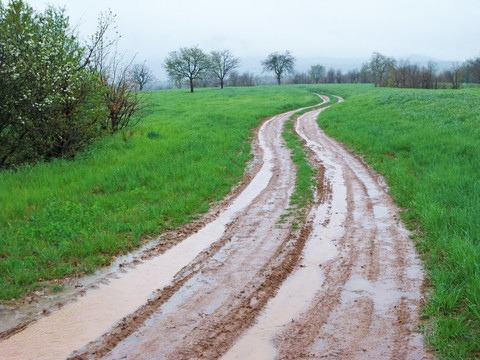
345	284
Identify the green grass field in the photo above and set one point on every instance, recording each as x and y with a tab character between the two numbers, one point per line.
69	217
427	144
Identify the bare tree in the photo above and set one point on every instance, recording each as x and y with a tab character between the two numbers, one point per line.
380	65
353	76
365	74
474	69
222	63
316	73
246	79
279	63
142	75
233	78
454	75
300	78
339	76
123	102
429	78
331	76
190	63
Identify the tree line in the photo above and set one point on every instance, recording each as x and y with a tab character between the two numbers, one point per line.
204	71
385	71
196	67
58	94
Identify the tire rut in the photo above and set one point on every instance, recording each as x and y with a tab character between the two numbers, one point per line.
370	299
346	284
210	308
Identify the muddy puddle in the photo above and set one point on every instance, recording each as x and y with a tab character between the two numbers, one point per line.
205	303
346	285
357	291
296	294
78	323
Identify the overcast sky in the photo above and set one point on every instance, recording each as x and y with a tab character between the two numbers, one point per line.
442	29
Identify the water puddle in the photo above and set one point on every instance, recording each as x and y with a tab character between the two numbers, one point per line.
384	294
56	336
296	294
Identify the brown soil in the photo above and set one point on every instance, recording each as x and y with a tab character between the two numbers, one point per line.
363	303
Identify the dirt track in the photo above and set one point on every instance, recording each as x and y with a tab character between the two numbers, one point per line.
345	285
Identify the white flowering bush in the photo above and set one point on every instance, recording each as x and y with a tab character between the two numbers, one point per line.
51	102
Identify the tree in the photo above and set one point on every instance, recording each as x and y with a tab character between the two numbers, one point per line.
300	78
474	65
121	98
222	63
353	76
142	75
246	79
380	65
316	73
233	78
279	64
339	76
428	75
454	75
187	63
331	76
365	74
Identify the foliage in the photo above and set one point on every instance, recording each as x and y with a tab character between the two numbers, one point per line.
316	73
279	64
49	101
187	63
379	66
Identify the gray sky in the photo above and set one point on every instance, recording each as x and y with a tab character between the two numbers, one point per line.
442	29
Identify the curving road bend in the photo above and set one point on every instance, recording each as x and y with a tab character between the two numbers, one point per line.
249	285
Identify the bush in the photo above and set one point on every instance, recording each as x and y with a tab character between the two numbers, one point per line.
51	102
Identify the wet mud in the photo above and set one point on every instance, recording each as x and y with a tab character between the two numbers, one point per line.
244	283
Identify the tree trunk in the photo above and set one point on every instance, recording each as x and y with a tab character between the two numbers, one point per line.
191	85
279	79
221	83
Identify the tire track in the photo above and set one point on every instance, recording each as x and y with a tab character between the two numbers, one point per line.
345	285
202	315
369	302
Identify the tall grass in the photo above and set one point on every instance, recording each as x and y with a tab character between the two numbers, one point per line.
68	217
427	144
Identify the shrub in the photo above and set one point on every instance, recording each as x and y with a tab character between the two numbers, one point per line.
50	102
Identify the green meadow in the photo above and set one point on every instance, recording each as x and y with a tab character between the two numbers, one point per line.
427	144
69	217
